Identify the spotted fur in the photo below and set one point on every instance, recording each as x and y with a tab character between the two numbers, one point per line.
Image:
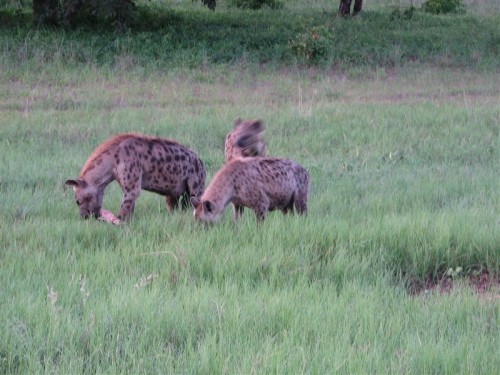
138	162
262	184
244	140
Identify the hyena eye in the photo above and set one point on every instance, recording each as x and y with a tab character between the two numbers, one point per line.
78	202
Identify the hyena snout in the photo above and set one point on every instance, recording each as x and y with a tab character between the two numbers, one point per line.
86	213
89	208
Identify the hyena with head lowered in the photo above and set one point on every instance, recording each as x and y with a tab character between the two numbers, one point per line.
245	140
138	162
262	184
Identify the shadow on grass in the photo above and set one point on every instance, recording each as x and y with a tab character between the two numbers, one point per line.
159	36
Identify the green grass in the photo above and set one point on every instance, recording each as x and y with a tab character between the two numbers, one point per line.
167	36
403	158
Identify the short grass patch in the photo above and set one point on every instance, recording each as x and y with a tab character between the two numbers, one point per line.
404	187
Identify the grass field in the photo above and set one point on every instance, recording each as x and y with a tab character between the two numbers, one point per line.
404	159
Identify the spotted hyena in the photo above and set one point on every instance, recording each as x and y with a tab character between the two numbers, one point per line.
245	140
138	162
262	184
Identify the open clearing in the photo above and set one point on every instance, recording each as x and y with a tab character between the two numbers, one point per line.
394	269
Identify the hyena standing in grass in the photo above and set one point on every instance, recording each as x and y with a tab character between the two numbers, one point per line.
138	162
245	140
262	184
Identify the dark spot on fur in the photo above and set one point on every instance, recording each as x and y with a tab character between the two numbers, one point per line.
169	159
176	157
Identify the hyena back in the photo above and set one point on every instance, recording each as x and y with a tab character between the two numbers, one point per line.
138	162
262	184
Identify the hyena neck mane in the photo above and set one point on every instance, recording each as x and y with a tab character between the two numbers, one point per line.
221	188
98	169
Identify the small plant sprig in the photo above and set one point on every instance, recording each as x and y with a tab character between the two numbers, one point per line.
454	273
443	6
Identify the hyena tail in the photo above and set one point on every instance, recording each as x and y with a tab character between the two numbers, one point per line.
302	191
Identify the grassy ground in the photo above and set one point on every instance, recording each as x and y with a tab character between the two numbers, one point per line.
404	162
188	35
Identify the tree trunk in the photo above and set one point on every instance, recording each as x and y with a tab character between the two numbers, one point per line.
358	4
345	7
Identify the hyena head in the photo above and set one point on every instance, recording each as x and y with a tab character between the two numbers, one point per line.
205	211
88	198
245	140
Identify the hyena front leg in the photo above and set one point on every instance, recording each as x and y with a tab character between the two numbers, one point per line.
237	211
131	188
261	206
128	204
260	213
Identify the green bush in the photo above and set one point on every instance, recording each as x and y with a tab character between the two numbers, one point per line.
58	12
443	6
312	46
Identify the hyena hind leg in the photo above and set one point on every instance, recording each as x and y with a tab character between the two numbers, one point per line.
301	204
289	207
171	202
185	201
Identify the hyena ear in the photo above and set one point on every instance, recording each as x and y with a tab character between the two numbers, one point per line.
257	126
208	206
195	202
76	183
237	122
